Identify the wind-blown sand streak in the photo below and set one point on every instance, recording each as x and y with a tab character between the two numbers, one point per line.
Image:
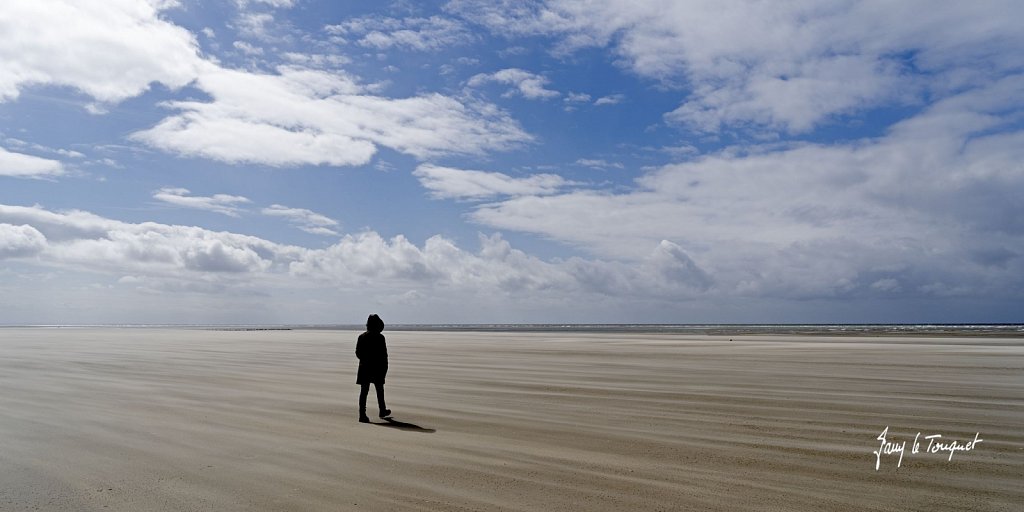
145	419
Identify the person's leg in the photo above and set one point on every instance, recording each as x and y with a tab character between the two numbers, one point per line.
364	390
380	399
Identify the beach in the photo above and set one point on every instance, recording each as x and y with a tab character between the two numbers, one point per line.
104	419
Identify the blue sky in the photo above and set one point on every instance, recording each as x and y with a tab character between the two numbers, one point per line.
302	161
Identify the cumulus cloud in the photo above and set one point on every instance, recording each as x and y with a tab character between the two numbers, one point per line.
182	259
198	260
316	60
596	163
447	182
306	220
255	24
271	3
20	165
673	265
499	268
612	99
218	203
108	49
930	207
786	67
247	48
114	50
421	34
577	97
524	83
20	241
90	242
307	116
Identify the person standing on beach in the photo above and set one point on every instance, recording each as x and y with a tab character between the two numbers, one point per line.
372	353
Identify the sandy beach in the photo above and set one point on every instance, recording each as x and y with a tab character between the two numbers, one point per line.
183	420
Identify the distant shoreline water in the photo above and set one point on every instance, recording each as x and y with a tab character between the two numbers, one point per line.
993	330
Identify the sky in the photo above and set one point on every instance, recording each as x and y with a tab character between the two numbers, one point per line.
502	161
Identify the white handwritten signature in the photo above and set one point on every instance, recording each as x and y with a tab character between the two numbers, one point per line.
935	445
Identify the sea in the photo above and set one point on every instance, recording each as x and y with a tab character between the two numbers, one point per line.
958	330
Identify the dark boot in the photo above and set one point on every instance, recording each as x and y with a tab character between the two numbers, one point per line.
363	391
384	411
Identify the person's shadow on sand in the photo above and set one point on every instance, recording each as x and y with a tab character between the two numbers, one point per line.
401	425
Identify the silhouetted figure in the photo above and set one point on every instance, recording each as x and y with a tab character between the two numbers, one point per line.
373	365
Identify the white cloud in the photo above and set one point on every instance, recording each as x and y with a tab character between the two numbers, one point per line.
218	203
90	242
247	48
305	116
108	49
498	268
526	84
317	60
24	145
254	24
271	3
307	220
931	206
109	162
298	116
179	264
446	182
613	99
577	97
195	260
786	67
599	164
421	34
20	241
96	109
20	165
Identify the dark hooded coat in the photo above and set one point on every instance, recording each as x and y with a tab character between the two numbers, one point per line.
373	358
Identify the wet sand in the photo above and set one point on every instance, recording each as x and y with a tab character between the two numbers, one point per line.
155	420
